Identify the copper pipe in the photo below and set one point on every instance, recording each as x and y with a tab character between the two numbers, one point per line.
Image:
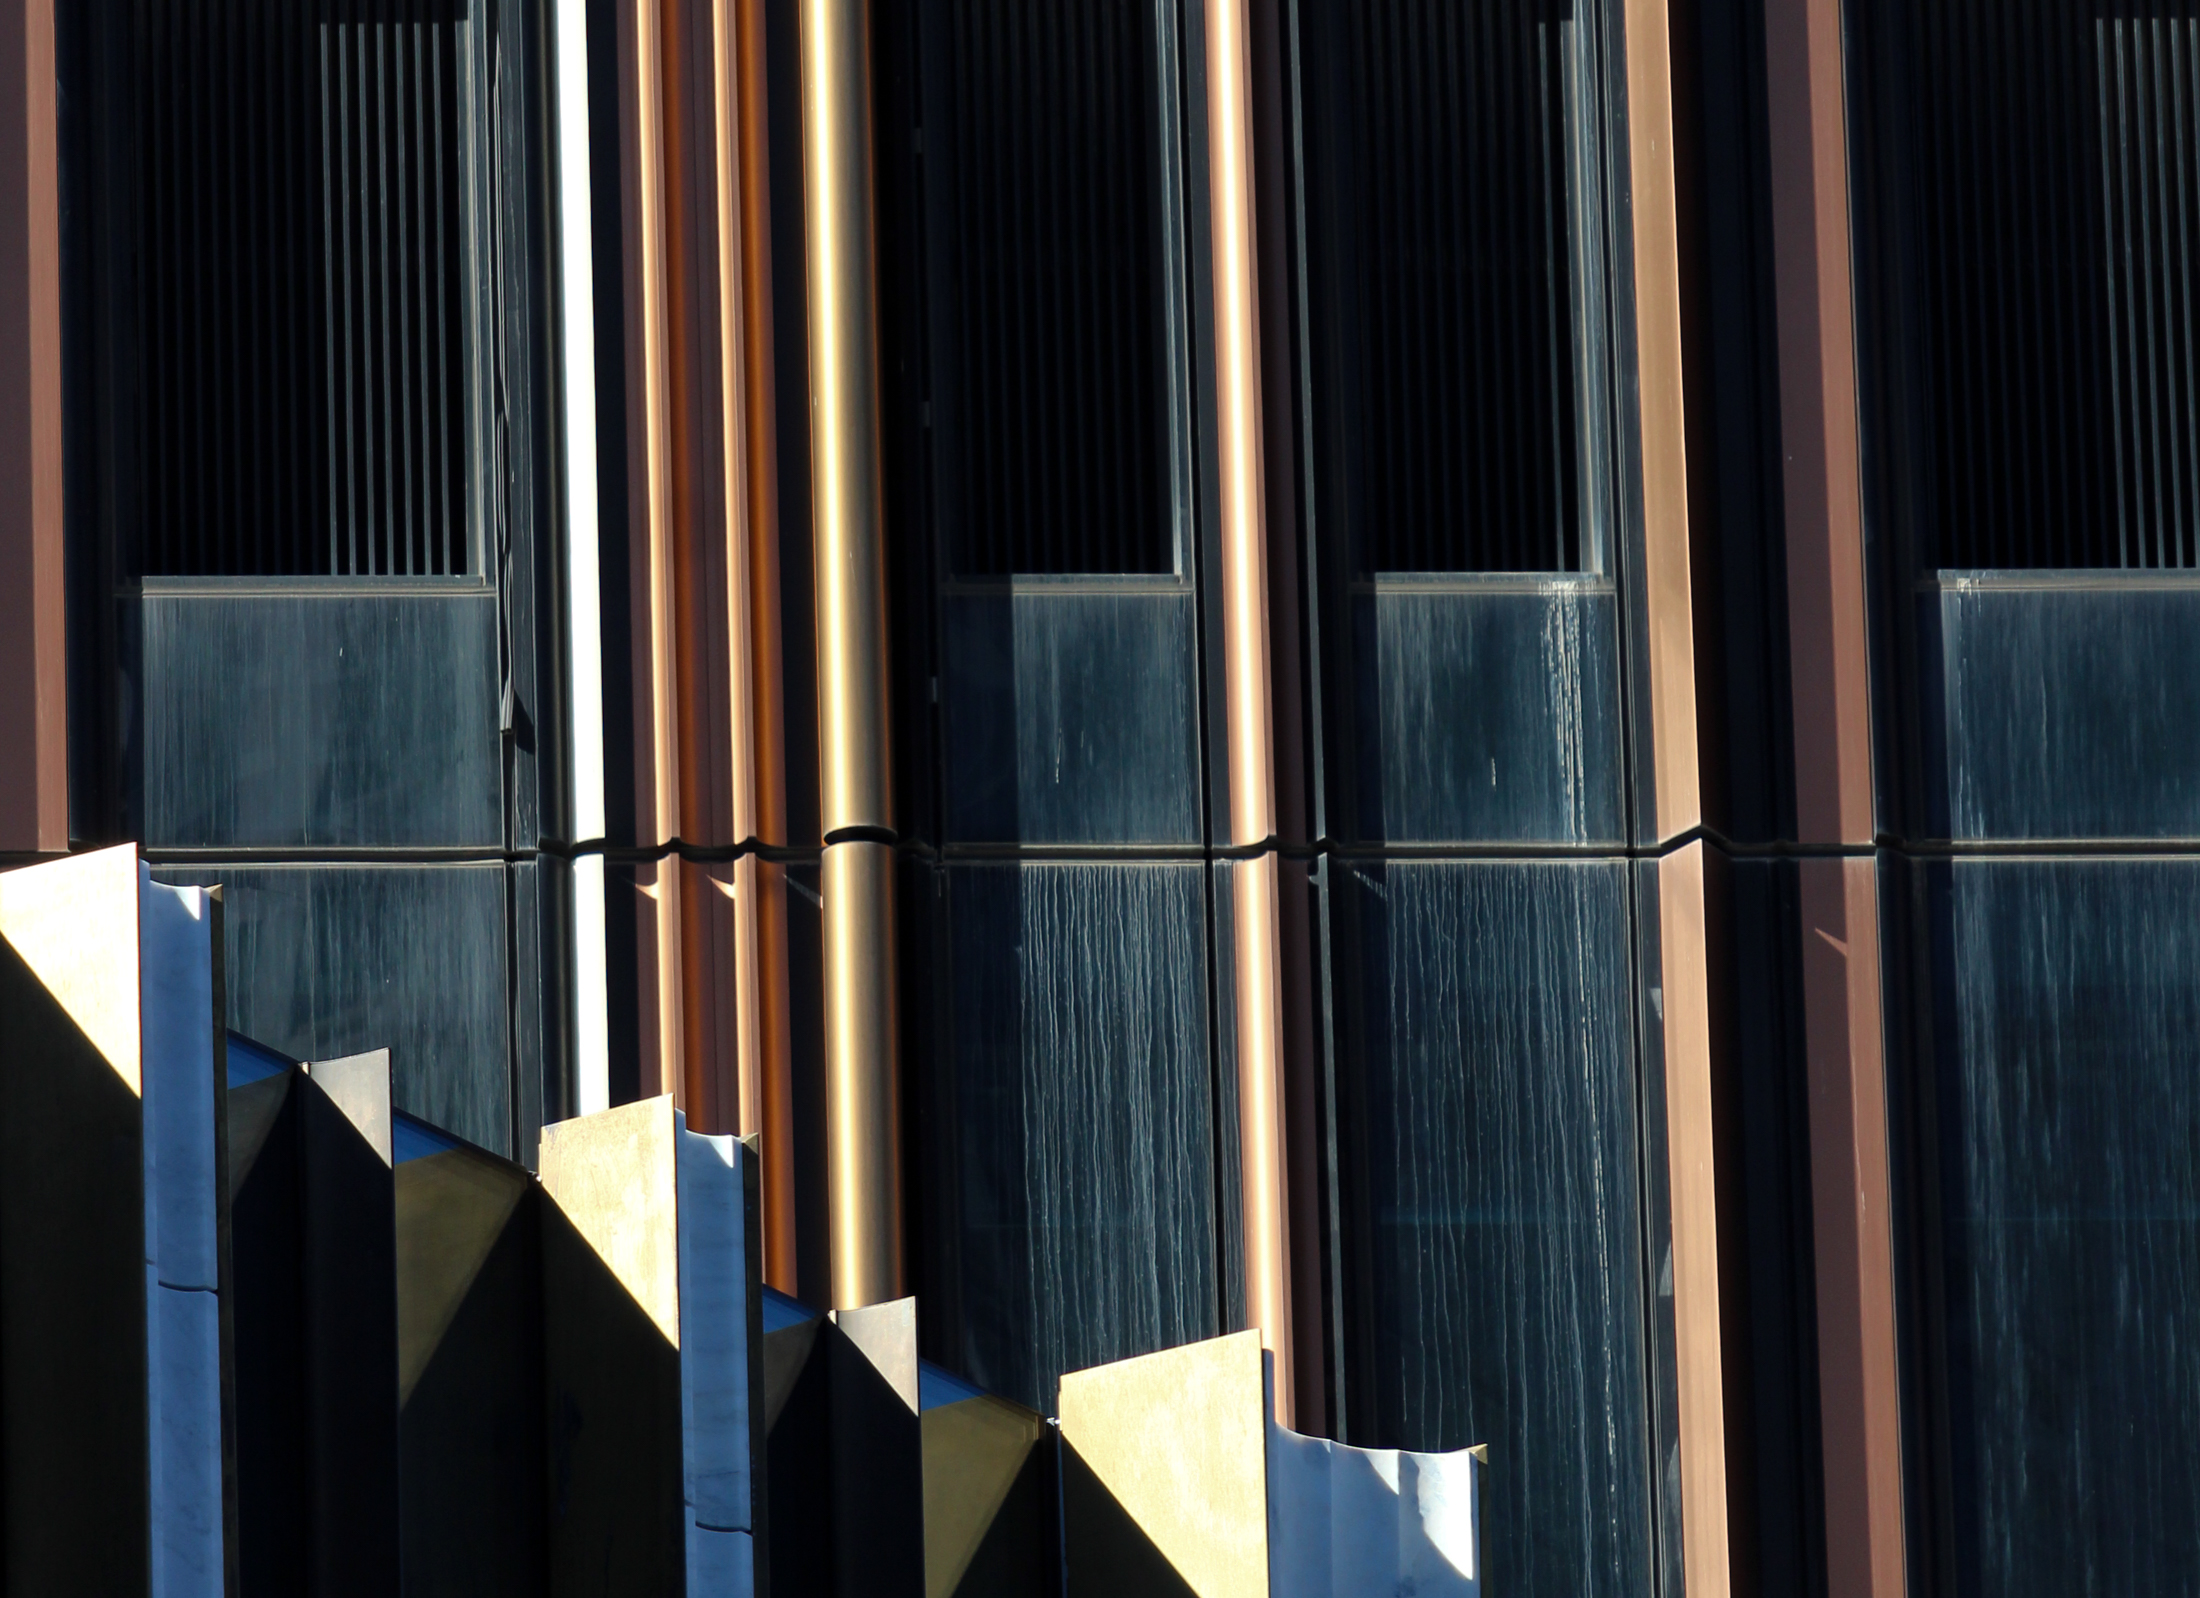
34	793
1675	774
1820	470
1251	732
862	1096
1859	1398
1692	1174
759	738
657	768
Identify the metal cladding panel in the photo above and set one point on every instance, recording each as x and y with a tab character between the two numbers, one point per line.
328	719
330	960
2069	710
1489	715
1083	1118
2067	1122
1070	717
1495	1256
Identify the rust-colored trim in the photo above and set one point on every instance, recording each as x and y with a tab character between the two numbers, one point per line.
1859	1402
650	545
1250	731
1676	781
1693	1176
760	785
1828	660
34	775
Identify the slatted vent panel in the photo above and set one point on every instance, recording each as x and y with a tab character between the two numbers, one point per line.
2052	155
1056	365
302	371
1449	137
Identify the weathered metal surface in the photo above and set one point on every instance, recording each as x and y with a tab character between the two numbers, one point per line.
2070	1221
2069	709
328	960
1495	1244
1082	1118
1488	714
1069	717
323	719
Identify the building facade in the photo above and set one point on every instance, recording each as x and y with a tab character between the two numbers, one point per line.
1492	687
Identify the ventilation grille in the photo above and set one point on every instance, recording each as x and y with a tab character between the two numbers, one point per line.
1054	391
2053	158
303	373
1448	127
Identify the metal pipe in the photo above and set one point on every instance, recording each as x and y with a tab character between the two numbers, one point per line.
760	789
862	1087
862	1114
1247	690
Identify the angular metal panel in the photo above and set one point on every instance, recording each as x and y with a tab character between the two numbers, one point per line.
1070	717
1494	1259
2070	710
1488	714
1083	1118
332	960
2071	1221
330	719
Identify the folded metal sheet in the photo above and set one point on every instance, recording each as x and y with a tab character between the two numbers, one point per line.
314	1313
649	1278
1371	1522
111	1212
474	1454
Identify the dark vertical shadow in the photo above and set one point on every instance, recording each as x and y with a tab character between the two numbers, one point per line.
613	1416
73	1462
267	1317
473	1458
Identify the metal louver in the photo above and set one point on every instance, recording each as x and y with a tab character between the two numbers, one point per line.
2050	153
1444	131
305	204
1047	186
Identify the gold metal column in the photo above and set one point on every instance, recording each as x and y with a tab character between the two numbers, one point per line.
1256	954
862	1093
